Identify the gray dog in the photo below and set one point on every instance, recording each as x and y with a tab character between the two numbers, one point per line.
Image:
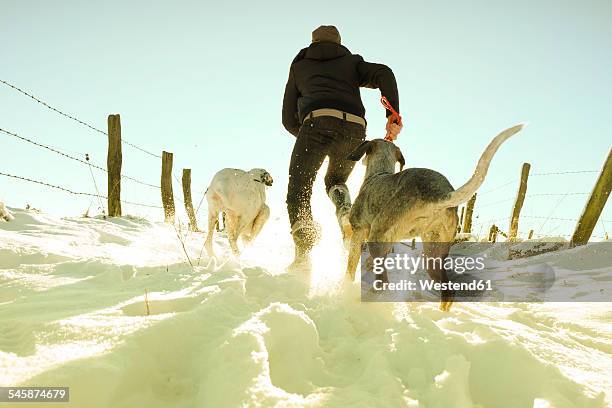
412	203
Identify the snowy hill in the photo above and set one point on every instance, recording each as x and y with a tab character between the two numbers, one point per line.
73	312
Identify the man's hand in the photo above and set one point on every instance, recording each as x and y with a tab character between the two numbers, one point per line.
393	129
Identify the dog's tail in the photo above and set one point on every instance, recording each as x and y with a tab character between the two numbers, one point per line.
466	191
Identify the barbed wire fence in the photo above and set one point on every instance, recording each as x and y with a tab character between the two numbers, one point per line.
68	156
84	159
95	195
537	222
479	228
95	129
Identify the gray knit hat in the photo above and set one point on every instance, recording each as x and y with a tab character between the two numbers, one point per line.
326	33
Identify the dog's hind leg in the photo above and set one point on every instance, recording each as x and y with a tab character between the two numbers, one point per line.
357	239
219	228
258	223
436	247
213	218
214	208
386	228
233	230
379	248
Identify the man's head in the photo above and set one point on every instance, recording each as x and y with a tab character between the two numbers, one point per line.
326	34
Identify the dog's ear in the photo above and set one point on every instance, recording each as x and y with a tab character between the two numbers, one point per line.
358	153
400	158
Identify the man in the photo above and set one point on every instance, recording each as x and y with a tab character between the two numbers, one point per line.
322	107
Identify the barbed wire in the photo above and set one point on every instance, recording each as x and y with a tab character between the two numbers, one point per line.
564	172
498	187
494	202
74	192
54	150
180	183
477	220
554	194
550	218
536	174
552	235
488	222
74	118
93	179
554	208
531	195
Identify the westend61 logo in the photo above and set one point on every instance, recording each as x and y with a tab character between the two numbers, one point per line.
482	271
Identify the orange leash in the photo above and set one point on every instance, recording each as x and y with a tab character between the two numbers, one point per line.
394	117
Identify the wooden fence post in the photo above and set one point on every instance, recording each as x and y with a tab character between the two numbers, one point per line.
113	166
493	233
520	199
595	204
166	187
467	223
193	224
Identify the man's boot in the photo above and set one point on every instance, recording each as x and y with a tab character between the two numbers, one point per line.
340	196
305	237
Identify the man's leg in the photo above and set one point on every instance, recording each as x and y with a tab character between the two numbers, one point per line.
338	172
339	194
306	160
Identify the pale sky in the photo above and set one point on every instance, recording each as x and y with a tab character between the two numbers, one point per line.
205	81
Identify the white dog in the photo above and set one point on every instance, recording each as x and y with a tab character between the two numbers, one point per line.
5	214
241	196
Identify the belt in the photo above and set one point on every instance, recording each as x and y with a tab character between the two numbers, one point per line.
349	117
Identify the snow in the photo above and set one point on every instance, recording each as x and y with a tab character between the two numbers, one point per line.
244	333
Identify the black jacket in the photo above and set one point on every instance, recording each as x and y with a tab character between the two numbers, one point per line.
327	75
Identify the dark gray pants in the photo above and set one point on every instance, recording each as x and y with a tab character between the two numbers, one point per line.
320	137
